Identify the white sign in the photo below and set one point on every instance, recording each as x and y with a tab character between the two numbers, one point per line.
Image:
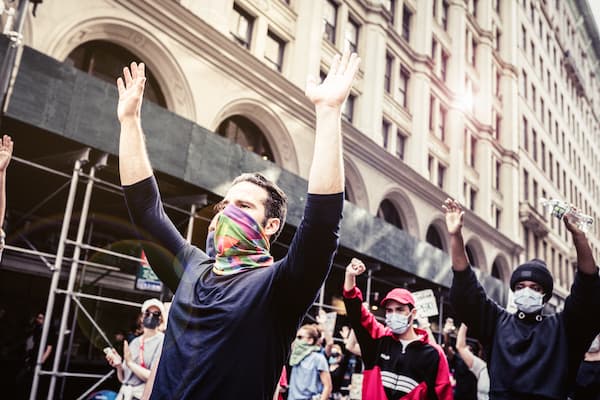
426	303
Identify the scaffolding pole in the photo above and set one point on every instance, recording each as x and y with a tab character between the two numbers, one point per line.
55	278
71	283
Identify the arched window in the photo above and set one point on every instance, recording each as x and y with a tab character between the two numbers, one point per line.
433	237
496	270
348	195
471	256
105	60
244	132
387	211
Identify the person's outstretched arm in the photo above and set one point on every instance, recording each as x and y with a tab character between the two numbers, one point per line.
6	149
467	296
367	319
581	329
585	257
134	164
461	346
454	223
327	168
310	255
141	191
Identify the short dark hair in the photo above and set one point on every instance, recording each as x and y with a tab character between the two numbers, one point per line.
276	204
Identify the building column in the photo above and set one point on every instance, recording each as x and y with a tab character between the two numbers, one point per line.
419	91
215	12
307	42
373	45
510	127
455	119
483	104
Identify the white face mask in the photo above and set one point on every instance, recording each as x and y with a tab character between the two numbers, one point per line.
398	323
528	300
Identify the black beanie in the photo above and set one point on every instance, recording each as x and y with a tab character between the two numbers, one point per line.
536	271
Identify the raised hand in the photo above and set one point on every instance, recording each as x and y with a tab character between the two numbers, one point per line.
333	91
6	149
131	91
454	216
570	221
355	268
113	358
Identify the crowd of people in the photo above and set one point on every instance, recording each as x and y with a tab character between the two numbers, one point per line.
234	326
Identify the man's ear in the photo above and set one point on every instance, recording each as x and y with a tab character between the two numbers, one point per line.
272	226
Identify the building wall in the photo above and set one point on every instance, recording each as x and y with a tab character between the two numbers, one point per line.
452	109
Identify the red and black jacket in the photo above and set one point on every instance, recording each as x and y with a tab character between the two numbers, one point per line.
418	372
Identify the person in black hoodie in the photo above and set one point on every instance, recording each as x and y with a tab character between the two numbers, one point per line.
531	355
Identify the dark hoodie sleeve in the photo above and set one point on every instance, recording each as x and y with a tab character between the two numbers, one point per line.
473	306
579	314
154	226
367	343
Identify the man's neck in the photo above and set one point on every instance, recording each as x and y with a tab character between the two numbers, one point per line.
410	334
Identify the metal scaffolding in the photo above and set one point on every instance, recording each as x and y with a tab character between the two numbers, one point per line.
76	178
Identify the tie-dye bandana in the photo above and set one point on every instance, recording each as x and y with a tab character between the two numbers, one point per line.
241	243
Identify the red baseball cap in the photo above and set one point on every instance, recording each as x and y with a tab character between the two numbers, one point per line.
402	296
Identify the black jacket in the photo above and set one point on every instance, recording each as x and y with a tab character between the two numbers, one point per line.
530	357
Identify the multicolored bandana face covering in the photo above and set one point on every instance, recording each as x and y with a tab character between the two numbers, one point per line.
241	243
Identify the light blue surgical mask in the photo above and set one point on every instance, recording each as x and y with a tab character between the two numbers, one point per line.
528	300
210	244
398	323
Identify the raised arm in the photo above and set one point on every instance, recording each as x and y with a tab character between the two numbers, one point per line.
367	319
467	296
461	346
327	168
585	258
134	164
580	329
6	148
454	223
140	188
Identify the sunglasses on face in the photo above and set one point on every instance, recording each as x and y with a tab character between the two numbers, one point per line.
302	337
335	354
154	313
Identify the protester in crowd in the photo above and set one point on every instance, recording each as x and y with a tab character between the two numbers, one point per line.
136	328
464	382
399	360
6	149
587	384
476	365
33	337
349	338
242	289
337	370
531	354
309	378
133	368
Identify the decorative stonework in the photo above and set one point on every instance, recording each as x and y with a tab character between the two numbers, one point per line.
405	209
479	254
269	123
152	51
358	189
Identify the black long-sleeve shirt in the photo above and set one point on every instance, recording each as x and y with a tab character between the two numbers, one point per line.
228	336
529	359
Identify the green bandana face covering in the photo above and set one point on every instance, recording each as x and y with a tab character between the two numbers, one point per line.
240	243
300	350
